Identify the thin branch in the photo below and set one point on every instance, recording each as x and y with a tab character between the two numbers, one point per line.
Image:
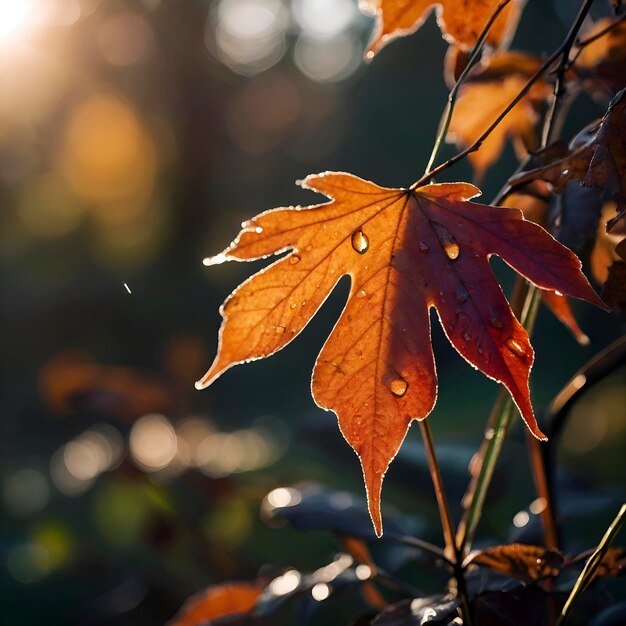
446	117
559	86
597	369
525	305
442	501
564	47
587	575
583	43
451	549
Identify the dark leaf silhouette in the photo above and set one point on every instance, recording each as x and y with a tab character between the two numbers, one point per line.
607	169
602	63
312	507
439	609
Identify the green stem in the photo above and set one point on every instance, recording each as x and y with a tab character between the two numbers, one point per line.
504	410
446	118
503	414
589	571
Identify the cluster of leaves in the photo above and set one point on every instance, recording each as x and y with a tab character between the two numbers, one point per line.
311	507
408	250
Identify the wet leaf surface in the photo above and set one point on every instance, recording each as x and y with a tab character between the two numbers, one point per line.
405	251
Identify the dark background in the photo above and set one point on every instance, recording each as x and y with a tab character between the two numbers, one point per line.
135	136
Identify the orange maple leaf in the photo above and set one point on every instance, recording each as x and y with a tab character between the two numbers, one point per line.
461	22
234	598
406	250
486	92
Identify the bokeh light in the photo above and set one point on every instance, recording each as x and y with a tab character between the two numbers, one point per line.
125	39
26	492
324	19
153	442
327	60
249	35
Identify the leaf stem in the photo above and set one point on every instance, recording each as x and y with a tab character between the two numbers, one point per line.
525	304
563	49
582	44
442	501
504	410
446	117
559	86
451	551
591	566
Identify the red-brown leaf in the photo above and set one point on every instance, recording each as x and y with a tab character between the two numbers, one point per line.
486	92
602	63
520	561
562	310
218	601
405	251
461	22
608	165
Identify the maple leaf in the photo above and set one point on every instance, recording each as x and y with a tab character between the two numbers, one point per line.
461	22
485	93
406	250
607	169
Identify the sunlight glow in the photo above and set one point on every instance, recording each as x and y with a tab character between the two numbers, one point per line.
13	15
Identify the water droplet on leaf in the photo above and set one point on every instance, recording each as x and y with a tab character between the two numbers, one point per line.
424	247
361	293
293	259
279	330
515	347
452	250
398	387
360	241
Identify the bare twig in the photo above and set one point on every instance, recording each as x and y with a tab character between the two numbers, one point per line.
563	49
446	117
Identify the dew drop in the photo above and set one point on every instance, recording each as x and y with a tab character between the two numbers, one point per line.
279	330
399	387
294	259
423	247
361	293
303	303
309	247
448	242
258	230
564	172
360	241
452	250
293	305
461	295
515	347
467	335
